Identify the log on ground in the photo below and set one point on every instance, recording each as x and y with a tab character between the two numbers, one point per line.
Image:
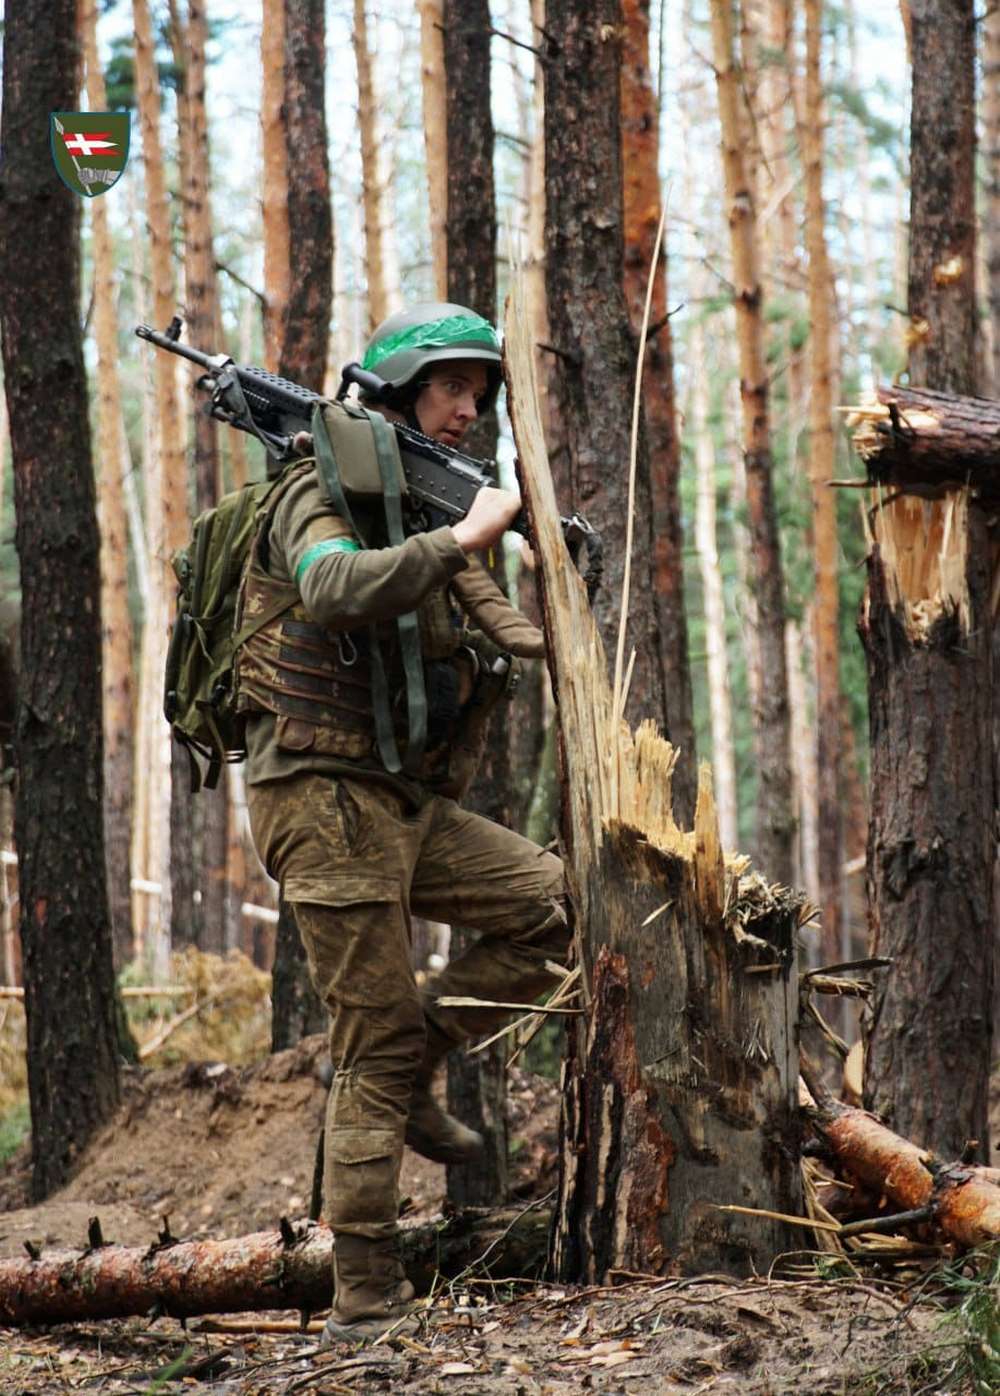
963	1200
286	1268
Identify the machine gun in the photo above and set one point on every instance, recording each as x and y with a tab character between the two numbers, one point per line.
442	480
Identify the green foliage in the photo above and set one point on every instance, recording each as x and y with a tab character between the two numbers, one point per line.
119	76
880	133
977	1320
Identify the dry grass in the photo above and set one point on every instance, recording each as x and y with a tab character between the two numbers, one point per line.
232	1021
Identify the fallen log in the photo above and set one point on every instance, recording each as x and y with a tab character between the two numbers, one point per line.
920	441
284	1269
960	1199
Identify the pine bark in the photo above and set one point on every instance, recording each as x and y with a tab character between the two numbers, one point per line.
116	620
73	1077
477	1084
371	172
941	278
826	605
591	341
306	325
205	916
274	192
991	179
679	1087
775	821
303	354
642	206
927	628
248	1273
435	135
166	500
713	596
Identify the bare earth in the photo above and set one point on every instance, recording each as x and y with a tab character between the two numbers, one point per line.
222	1152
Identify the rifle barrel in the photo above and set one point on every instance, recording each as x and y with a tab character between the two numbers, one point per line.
164	341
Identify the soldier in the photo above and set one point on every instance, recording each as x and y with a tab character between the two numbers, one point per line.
358	846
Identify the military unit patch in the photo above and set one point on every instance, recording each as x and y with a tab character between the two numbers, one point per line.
90	148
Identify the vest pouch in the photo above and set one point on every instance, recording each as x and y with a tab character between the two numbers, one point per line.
354	451
294	734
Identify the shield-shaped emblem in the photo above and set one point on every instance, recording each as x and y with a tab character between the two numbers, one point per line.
90	148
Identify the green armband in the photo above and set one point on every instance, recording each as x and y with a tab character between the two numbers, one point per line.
318	550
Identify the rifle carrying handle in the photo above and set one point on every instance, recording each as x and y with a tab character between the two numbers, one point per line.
370	383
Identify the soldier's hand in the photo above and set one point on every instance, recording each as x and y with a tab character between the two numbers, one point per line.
302	443
492	513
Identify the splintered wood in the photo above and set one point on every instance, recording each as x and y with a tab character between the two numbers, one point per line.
679	1088
930	454
621	775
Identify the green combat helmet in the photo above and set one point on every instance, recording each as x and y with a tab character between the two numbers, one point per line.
409	342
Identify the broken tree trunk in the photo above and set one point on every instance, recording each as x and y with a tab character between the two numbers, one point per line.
679	1091
285	1269
927	625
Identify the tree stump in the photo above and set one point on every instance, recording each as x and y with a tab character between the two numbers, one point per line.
679	1089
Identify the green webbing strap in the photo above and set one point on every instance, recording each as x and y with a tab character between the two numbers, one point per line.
326	462
407	624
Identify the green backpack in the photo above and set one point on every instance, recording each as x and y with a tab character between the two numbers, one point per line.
199	700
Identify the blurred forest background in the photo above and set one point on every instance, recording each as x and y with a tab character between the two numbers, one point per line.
413	143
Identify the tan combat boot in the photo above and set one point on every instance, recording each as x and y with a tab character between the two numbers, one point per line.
431	1131
371	1291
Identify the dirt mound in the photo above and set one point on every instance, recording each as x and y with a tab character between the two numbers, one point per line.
223	1150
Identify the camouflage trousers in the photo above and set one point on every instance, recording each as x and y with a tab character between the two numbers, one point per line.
355	867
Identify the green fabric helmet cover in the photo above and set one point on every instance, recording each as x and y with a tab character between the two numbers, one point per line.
411	340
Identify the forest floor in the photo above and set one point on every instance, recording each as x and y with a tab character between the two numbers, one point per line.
224	1151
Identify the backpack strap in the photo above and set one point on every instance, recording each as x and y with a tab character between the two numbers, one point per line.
326	463
407	624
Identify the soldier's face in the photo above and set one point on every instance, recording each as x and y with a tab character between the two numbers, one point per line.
449	402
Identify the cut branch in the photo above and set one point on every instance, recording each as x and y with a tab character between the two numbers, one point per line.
921	441
963	1202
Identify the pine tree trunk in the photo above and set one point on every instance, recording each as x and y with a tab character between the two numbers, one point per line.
167	515
477	1084
73	1075
371	171
824	501
306	326
303	359
435	135
642	204
941	277
776	826
592	343
927	628
296	1010
719	693
274	199
209	824
116	621
679	1089
991	179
